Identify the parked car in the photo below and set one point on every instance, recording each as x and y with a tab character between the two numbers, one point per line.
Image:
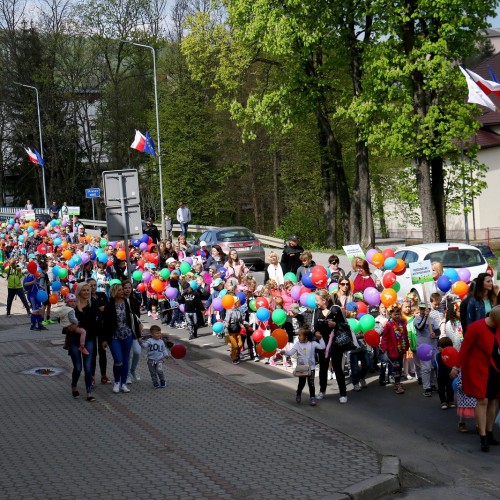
486	251
239	238
450	255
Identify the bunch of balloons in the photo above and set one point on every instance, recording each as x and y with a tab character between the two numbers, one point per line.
455	280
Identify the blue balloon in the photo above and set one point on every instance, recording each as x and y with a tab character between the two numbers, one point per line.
218	327
56	286
57	241
77	260
21	238
55	270
103	258
307	281
444	283
263	314
93	255
242	297
452	274
222	293
360	315
351	306
136	243
193	285
454	384
144	238
390	263
222	271
311	301
12	221
53	223
42	296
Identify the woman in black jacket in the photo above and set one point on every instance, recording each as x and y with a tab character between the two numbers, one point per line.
327	317
120	336
135	309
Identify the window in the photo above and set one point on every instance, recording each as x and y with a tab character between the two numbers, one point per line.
462	257
237	234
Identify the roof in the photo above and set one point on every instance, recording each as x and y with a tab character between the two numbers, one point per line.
436	247
486	139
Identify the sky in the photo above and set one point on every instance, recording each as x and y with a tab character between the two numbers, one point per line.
495	21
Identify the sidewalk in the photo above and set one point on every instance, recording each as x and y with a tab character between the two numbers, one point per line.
204	436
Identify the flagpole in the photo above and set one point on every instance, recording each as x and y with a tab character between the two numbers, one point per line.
158	146
40	136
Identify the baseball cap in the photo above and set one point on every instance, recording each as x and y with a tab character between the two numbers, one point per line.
422	305
203	243
170	260
293	237
217	282
151	265
70	298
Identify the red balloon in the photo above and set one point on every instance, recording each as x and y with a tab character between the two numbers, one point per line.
109	263
141	263
389	279
362	308
178	351
32	267
372	338
141	287
257	336
41	249
388	253
319	276
450	355
43	232
319	270
262	302
304	289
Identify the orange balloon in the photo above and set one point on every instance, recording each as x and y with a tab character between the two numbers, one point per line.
121	255
67	254
228	301
53	299
264	354
281	336
460	288
157	285
64	244
400	266
388	297
64	291
378	260
88	238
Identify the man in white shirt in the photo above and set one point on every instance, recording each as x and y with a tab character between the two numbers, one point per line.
183	217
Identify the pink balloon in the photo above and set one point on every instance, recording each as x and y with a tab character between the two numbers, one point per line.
189	260
207	278
295	292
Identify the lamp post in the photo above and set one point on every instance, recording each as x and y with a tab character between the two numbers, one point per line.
158	146
40	135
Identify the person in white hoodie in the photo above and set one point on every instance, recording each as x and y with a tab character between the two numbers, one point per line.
305	349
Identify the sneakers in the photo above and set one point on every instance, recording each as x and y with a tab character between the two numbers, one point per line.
135	376
104	379
444	406
156	385
451	405
330	375
124	388
382	382
298	399
257	359
462	428
116	387
313	401
129	379
41	327
357	387
272	362
266	362
236	362
49	321
154	315
163	384
320	395
400	389
392	380
45	322
343	399
149	313
363	383
428	393
286	364
409	377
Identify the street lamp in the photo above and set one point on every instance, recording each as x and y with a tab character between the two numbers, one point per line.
40	134
157	130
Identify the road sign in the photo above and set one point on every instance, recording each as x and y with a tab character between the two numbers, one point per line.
93	193
116	224
73	210
112	187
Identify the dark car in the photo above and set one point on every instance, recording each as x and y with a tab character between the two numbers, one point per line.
239	238
485	250
46	218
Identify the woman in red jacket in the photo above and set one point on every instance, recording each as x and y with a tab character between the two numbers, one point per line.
480	361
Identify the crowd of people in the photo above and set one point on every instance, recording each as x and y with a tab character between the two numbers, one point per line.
59	271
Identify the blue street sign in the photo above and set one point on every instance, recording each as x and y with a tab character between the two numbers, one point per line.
93	193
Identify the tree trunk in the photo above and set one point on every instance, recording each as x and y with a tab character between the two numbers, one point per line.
379	208
430	231
437	171
255	197
276	198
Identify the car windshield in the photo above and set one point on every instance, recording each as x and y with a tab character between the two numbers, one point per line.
235	235
461	257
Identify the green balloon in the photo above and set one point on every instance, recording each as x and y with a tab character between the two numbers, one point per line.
279	316
252	305
396	287
290	277
367	322
185	268
354	324
62	273
269	344
165	273
137	275
115	282
103	242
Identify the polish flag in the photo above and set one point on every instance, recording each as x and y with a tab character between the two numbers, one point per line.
35	157
487	86
143	143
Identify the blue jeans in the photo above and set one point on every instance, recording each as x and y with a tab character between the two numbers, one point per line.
357	357
76	358
120	350
136	355
184	228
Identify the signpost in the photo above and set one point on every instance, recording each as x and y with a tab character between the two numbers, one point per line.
73	210
353	251
421	273
93	193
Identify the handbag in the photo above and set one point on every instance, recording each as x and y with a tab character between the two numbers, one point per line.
302	370
343	338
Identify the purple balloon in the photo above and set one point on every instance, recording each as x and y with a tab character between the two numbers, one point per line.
85	257
147	277
64	223
182	308
113	244
303	299
18	214
424	352
170	292
143	246
372	296
217	304
464	275
295	292
370	254
189	260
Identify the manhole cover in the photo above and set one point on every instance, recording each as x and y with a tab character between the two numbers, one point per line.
44	371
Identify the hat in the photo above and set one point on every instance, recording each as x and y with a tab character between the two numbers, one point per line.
358	295
32	256
203	243
422	305
293	238
170	260
217	282
149	219
396	307
70	298
151	265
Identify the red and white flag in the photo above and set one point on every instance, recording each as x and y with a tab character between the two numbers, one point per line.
476	92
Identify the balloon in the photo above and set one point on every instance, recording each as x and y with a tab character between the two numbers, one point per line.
378	260
157	285
388	297
464	274
257	336
396	287
290	277
64	291
279	316
193	284
311	301
400	268
252	305
178	351
228	301
67	254
85	257
454	384
281	336
264	354
185	268
460	288
137	275
53	299
269	344
351	306
141	287
136	243
121	255
103	258
143	246
263	314
32	267
450	355
56	286
362	307
303	299
304	290
171	292
42	296
63	273
165	273
295	292
424	352
372	338
370	254
452	274
371	296
57	241
71	263
109	262
103	242
115	281
390	263
262	302
389	279
319	276
222	293
388	253
367	322
222	272
182	308
147	277
218	327
307	280
444	283
354	324
242	297
144	238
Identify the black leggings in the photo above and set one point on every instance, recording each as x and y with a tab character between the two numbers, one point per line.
310	383
103	362
337	357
